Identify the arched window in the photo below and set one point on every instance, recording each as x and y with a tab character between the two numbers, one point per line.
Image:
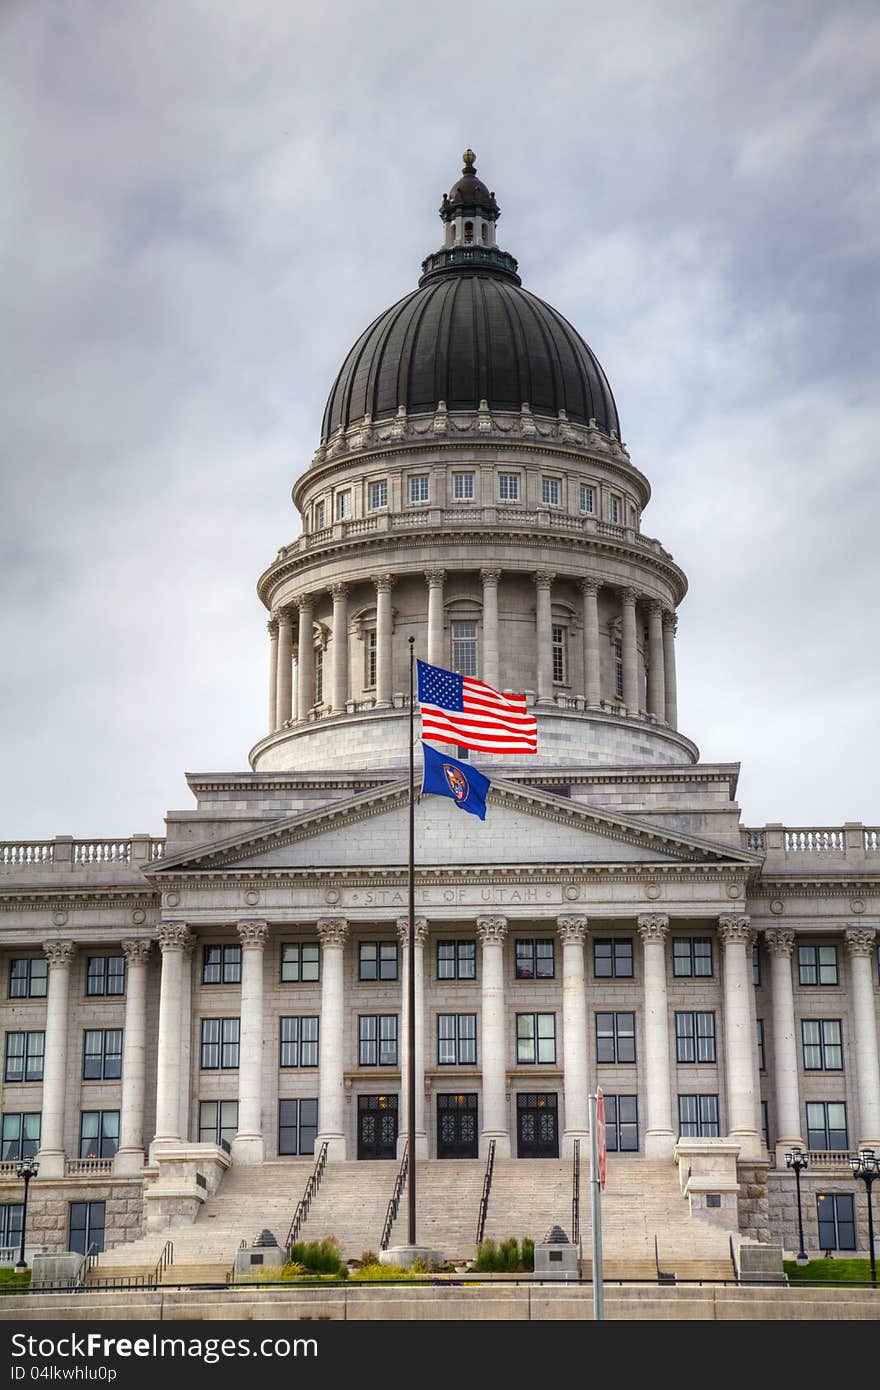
484	234
468	233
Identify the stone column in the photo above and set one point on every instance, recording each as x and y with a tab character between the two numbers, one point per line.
660	1135
573	934
780	944
630	653
284	683
340	647
384	583
742	1082
860	942
491	932
130	1154
186	967
490	626
435	579
332	932
656	676
592	670
272	629
403	1040
247	1146
670	624
305	671
544	638
51	1155
174	939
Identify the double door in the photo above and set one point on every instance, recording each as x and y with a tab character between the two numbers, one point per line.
457	1135
377	1127
537	1124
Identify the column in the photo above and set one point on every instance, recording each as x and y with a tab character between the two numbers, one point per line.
742	1082
340	647
544	638
174	939
421	934
491	932
860	942
434	579
130	1154
573	934
780	945
384	583
660	1136
186	966
670	624
490	580
305	674
332	932
630	653
656	676
247	1146
51	1155
284	682
272	629
592	683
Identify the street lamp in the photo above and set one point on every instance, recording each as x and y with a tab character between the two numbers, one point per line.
796	1159
867	1167
26	1170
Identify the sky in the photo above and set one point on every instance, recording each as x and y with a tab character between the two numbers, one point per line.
204	205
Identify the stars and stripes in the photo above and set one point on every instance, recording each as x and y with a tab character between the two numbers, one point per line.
457	709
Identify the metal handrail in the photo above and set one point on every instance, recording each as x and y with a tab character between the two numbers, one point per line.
88	1260
663	1276
487	1188
302	1210
394	1204
164	1260
733	1258
576	1194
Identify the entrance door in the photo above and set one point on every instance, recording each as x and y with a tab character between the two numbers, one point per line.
457	1126
537	1129
377	1126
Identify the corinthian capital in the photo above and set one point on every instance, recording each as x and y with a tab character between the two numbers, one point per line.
306	604
252	933
434	578
543	579
572	929
339	590
137	950
590	586
491	930
333	931
421	931
59	952
384	582
670	621
780	943
734	928
490	576
175	936
860	940
652	926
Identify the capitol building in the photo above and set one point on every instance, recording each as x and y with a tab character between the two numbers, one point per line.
190	1022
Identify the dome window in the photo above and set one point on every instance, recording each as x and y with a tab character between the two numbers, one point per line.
378	494
614	510
508	487
484	234
550	492
464	649
343	505
419	488
588	499
463	487
468	233
319	517
559	656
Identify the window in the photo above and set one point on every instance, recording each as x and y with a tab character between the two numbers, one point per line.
319	675
299	1042
826	1125
377	960
218	1121
837	1221
484	234
105	975
320	512
221	965
419	488
468	233
102	1054
622	1124
536	1038
220	1038
615	1037
691	955
456	960
756	964
817	965
765	1124
695	1037
534	959
550	492
463	487
370	658
617	658
343	505
614	509
20	1136
457	1040
28	978
508	487
24	1056
86	1227
98	1133
823	1044
10	1223
377	1040
698	1117
613	958
762	1056
559	664
300	963
588	499
297	1126
464	649
379	494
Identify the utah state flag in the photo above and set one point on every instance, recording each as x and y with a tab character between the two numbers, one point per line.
445	776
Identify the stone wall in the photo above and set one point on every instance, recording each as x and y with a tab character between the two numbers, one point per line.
753	1203
49	1209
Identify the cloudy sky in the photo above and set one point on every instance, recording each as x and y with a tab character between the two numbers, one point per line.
204	203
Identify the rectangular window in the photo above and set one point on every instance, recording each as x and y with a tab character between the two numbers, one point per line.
419	489
218	1122
10	1223
24	1056
320	512
464	649
823	1044
20	1136
105	975
456	960
508	487
622	1124
98	1133
765	1124
220	1040
377	960
588	499
695	1037
692	956
762	1058
559	662
756	964
319	675
536	1038
614	510
343	505
370	658
615	1037
837	1220
698	1117
613	958
534	959
300	963
817	965
299	1041
221	965
463	487
377	1040
550	492
28	978
457	1040
102	1054
826	1125
297	1126
379	494
86	1227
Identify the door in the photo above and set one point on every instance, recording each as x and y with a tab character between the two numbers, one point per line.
377	1126
537	1129
457	1126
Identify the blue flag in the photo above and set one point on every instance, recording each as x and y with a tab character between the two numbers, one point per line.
444	776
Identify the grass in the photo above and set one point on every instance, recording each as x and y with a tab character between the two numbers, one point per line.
12	1280
829	1271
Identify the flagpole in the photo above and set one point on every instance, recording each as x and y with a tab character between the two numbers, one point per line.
596	1216
411	968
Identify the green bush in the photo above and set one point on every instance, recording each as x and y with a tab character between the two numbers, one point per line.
506	1258
319	1257
528	1253
382	1274
368	1258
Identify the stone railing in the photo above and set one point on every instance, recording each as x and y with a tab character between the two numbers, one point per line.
8	1168
27	852
65	854
83	1167
825	841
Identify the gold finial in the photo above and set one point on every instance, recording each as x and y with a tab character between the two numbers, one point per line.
470	160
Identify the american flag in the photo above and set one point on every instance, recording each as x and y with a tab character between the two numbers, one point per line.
456	709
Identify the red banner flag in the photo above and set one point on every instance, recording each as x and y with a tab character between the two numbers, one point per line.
601	1148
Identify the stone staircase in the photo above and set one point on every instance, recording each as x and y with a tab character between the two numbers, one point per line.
351	1204
448	1195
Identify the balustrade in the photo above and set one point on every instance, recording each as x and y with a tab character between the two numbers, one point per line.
28	852
826	840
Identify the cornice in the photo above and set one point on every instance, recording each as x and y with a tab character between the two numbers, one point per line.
90	898
300	781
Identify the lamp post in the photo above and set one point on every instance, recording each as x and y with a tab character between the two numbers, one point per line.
26	1170
867	1167
796	1160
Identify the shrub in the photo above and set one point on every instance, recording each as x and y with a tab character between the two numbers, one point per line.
505	1258
319	1257
528	1253
376	1274
368	1258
